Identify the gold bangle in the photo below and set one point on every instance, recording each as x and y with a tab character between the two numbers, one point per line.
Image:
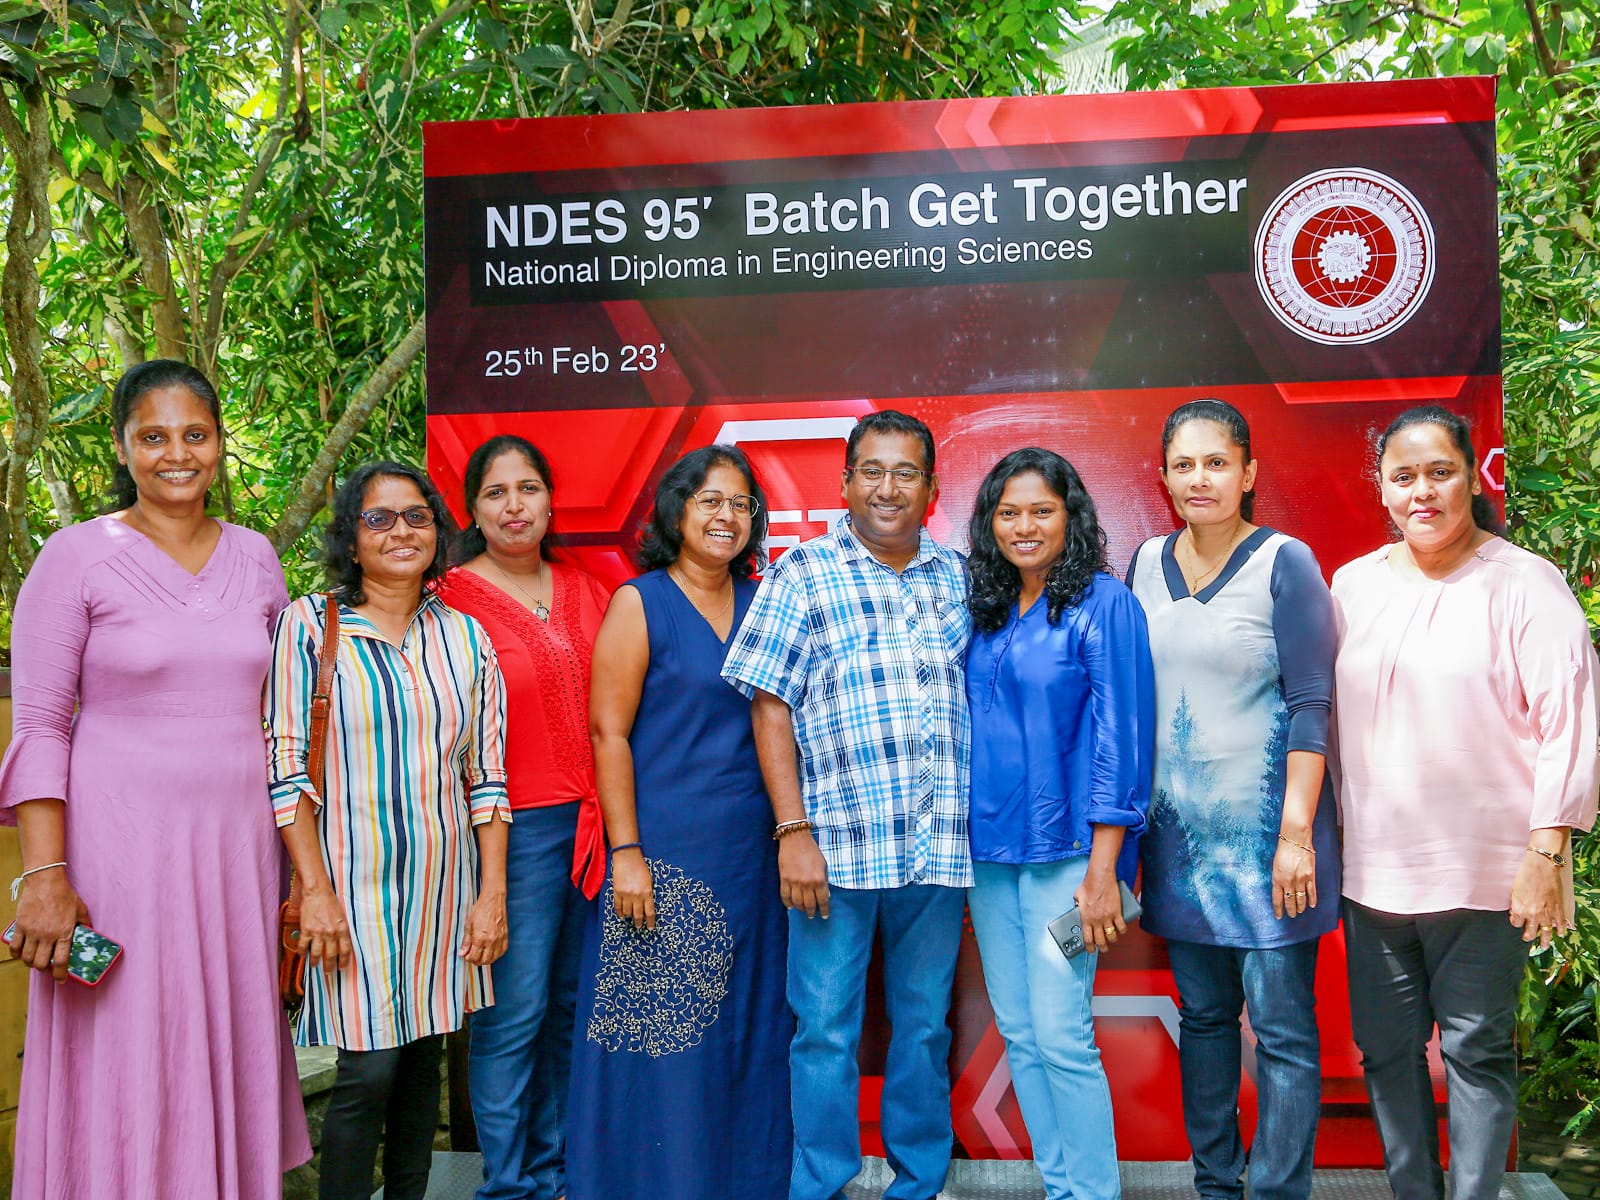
1297	845
788	827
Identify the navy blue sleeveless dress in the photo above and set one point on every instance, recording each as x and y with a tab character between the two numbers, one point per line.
680	1064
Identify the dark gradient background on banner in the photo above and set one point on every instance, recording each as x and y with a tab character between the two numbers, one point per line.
617	356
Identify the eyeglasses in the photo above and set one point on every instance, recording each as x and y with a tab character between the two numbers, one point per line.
419	516
904	476
715	502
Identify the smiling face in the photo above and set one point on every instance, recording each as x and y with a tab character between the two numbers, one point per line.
398	555
171	446
1206	473
1030	524
887	515
1427	486
715	539
512	507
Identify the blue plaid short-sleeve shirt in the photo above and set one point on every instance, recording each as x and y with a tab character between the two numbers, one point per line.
871	663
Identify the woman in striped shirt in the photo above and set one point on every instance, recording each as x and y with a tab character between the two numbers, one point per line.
403	907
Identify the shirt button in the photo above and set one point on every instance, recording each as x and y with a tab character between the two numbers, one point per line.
1077	845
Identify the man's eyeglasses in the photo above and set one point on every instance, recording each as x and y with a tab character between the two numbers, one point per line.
904	476
714	502
419	516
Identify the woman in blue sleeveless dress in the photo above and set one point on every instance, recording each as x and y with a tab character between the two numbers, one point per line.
680	1067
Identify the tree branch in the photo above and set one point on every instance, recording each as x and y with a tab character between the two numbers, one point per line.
1551	65
312	493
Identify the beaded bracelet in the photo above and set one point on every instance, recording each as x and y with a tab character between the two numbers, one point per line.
639	846
785	828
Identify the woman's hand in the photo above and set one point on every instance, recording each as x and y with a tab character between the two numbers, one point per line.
324	932
1294	879
487	935
47	914
1536	906
633	888
1100	909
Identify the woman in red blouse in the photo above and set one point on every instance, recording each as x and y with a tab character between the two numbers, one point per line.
542	617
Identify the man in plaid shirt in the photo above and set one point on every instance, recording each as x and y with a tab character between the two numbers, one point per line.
853	655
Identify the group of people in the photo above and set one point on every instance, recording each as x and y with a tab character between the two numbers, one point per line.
649	840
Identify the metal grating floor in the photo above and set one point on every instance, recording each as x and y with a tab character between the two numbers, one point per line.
457	1176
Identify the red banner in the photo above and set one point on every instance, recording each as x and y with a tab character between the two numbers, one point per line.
1058	270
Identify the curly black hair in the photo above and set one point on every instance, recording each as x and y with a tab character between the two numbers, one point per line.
1454	424
339	539
662	540
137	382
993	584
469	543
1218	412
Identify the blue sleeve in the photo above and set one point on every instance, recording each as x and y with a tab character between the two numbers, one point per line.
771	650
1116	655
1303	625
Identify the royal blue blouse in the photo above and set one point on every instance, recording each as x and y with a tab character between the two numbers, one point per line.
1063	720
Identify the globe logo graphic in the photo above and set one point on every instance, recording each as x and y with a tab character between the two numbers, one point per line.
1344	256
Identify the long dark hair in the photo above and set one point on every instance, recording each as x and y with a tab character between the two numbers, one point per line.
993	584
1454	424
1218	412
137	382
339	540
470	543
662	539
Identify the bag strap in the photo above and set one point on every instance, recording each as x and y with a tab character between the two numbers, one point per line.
322	698
321	702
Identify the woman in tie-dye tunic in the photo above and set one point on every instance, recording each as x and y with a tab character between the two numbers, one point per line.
402	849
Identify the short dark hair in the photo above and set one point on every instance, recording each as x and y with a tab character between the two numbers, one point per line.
1460	433
662	539
136	383
993	583
339	540
890	421
470	542
1218	412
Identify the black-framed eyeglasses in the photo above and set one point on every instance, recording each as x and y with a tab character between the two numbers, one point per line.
715	502
904	476
418	516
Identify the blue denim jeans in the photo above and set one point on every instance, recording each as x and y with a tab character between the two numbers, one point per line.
921	931
1215	984
521	1051
1043	1007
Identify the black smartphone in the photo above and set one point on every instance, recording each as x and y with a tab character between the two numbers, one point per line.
1067	929
91	956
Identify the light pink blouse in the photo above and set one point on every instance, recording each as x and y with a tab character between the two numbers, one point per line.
1466	713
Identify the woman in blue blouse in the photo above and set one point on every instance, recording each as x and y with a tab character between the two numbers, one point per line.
1059	683
1242	844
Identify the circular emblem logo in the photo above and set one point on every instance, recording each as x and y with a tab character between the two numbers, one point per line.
1345	256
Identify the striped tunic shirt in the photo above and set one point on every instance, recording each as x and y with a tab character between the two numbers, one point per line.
414	760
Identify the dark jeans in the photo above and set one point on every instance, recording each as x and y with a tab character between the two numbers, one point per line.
1277	987
521	1054
382	1095
1460	970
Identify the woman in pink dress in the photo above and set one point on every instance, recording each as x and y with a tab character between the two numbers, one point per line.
146	817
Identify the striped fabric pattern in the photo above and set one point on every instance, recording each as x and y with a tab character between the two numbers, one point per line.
872	664
415	759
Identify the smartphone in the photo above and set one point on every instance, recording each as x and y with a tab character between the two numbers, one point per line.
92	954
1067	929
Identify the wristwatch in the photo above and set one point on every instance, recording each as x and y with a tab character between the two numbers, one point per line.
1554	856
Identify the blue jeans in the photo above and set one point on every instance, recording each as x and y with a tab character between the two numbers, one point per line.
1043	1007
921	931
1215	984
521	1051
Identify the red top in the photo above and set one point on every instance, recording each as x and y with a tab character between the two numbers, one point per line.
546	669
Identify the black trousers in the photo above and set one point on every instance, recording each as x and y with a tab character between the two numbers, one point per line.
390	1096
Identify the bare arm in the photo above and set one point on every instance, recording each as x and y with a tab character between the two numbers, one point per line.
48	908
802	871
1294	866
487	933
616	680
324	932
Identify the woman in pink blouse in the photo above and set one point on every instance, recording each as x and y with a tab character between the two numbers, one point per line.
1465	700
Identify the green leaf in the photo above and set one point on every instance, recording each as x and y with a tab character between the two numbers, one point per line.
1533	479
544	58
1543	250
492	35
332	21
618	87
124	119
736	60
76	405
21	60
117	55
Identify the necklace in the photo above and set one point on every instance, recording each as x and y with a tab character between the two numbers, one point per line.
1196	582
684	588
539	608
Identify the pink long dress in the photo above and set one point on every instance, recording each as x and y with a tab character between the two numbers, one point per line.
174	1079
